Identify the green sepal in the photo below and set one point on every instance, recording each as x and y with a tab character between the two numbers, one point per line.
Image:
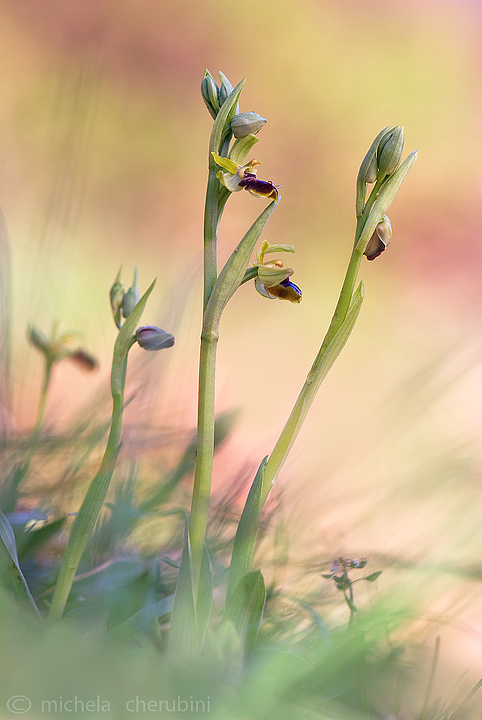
241	148
280	248
266	248
272	276
225	163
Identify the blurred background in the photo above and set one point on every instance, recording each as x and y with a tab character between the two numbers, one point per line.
103	156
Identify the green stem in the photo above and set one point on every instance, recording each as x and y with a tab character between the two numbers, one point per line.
94	499
230	278
345	314
205	451
34	440
210	234
325	358
87	516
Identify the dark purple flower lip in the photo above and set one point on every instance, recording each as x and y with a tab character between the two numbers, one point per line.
265	188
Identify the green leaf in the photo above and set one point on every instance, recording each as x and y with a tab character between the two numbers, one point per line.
226	113
142	619
232	274
204	596
21	588
109	578
244	542
183	632
81	532
246	608
35	538
373	576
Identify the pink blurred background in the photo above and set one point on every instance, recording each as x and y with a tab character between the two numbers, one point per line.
103	151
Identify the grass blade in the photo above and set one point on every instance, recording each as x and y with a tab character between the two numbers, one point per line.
19	583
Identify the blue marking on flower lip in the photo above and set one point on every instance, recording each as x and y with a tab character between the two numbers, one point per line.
286	290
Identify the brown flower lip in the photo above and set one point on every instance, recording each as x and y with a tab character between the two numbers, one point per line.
286	290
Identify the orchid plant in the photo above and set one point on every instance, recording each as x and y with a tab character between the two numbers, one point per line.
381	174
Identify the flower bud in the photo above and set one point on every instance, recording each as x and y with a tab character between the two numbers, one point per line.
389	151
116	294
38	339
225	89
247	123
380	239
131	298
209	92
151	337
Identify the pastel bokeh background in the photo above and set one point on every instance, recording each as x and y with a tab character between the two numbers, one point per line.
103	144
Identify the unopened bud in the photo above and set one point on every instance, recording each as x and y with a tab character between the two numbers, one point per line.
38	339
117	293
368	173
209	92
151	337
225	89
247	123
131	298
380	239
389	151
